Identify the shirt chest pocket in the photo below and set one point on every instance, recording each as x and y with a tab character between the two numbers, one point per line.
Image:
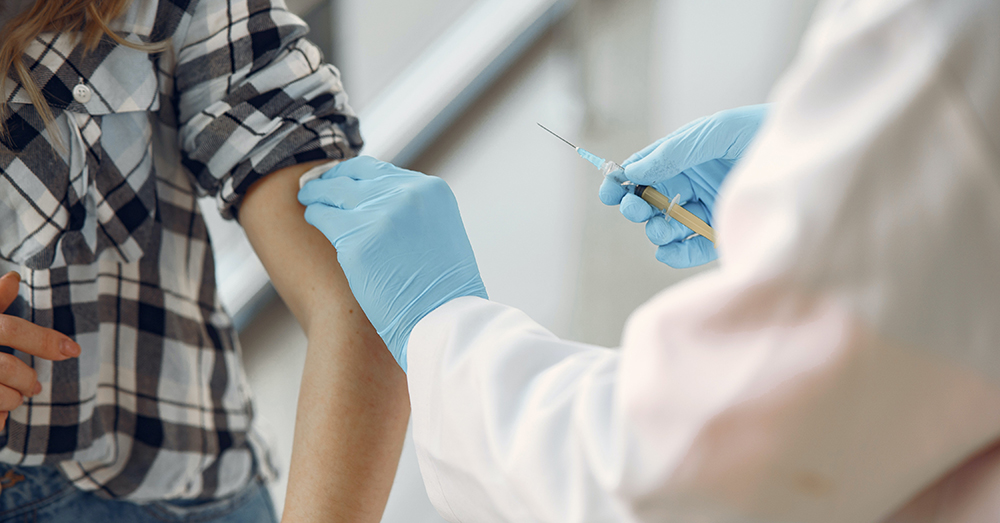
67	196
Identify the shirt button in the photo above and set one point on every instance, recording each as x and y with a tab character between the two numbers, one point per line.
82	93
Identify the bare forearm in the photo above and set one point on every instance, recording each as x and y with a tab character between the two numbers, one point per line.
353	404
348	433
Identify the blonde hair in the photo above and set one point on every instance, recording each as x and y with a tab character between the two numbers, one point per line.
88	18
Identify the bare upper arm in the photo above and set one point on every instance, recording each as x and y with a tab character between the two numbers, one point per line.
301	262
347	448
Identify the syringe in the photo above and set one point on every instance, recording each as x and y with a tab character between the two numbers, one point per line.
651	195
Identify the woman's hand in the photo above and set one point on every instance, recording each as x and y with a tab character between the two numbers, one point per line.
17	379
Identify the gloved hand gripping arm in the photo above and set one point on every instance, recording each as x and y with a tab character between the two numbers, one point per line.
400	240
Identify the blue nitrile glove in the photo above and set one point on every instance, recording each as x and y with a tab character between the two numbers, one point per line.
400	239
692	161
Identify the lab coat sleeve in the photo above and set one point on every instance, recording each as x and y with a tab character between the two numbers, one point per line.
843	358
504	420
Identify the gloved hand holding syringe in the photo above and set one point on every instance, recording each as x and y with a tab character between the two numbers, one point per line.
669	206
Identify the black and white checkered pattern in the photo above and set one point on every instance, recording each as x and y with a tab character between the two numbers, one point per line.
102	223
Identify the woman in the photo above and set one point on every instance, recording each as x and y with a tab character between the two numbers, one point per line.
117	115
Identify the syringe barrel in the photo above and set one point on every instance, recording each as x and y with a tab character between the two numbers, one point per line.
677	212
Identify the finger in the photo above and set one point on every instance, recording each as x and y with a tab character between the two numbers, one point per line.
334	223
689	253
17	375
652	147
363	168
739	126
642	153
724	135
635	209
698	209
661	231
676	186
693	146
9	284
343	193
10	399
3	419
350	168
679	185
611	191
36	340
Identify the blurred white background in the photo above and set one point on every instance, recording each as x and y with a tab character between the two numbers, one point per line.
611	75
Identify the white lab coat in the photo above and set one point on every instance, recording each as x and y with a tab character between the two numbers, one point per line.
841	365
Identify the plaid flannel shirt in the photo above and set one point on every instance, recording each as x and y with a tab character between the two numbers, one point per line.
102	223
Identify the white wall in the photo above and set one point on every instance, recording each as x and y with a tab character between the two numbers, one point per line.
710	55
374	40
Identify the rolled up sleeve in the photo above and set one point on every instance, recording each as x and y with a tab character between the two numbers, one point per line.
254	96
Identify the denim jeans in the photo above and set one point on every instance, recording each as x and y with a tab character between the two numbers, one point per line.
44	495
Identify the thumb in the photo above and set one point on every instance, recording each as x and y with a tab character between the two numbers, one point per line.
335	223
652	147
676	153
724	135
9	284
364	168
341	192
